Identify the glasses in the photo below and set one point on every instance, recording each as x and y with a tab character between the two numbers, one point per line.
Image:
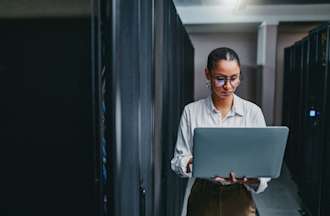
222	80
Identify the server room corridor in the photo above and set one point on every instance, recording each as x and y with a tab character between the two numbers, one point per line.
94	93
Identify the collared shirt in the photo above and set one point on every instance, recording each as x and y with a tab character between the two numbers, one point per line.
203	113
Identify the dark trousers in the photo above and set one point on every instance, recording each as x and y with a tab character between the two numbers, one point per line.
212	199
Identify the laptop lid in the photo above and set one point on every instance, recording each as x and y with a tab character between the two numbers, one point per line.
250	152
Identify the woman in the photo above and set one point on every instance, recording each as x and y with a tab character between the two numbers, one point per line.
221	196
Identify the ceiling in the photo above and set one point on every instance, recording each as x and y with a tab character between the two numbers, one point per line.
248	2
283	27
235	12
222	27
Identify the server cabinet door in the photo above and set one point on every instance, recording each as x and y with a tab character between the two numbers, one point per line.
300	180
325	202
314	123
287	53
295	100
124	128
146	102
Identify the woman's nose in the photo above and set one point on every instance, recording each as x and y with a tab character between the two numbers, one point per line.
227	84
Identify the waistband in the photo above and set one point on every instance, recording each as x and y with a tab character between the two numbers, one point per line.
208	184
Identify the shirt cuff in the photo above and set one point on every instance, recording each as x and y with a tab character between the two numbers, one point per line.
260	187
183	165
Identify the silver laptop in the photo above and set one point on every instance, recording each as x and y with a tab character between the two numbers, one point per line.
248	152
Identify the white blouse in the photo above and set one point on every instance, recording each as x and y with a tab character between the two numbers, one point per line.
203	113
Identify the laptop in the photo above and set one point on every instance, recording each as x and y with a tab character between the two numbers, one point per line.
248	152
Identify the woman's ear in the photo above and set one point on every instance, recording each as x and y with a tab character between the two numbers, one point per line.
208	77
207	74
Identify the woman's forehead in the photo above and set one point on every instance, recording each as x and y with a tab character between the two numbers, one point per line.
226	68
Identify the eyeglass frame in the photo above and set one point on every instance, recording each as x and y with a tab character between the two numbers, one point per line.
226	79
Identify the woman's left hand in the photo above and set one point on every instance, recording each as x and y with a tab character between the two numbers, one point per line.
232	179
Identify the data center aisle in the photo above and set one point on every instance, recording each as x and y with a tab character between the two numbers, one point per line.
280	198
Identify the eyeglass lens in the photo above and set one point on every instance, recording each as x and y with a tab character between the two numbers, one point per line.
220	81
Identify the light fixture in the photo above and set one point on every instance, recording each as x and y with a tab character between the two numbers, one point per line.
236	5
229	2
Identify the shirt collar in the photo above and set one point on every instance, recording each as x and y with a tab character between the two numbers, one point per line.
210	105
237	107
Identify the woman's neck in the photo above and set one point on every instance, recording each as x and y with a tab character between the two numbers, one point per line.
222	104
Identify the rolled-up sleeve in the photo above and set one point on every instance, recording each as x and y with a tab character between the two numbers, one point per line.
182	152
260	187
258	118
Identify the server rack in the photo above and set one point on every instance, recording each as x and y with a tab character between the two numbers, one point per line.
175	68
286	97
291	107
314	125
285	104
54	170
307	154
150	58
325	198
302	152
298	107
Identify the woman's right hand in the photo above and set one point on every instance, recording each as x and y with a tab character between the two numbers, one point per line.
189	165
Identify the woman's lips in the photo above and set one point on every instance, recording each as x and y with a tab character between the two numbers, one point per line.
226	93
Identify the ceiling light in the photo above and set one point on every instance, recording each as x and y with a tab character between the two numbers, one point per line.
228	2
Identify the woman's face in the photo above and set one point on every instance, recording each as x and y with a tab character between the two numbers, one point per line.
224	78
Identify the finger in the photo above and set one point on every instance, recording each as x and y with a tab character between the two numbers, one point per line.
232	177
218	178
221	180
243	180
189	166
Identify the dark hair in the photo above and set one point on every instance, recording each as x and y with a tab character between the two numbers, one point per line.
222	53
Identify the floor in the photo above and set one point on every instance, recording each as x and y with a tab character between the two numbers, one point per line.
280	198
